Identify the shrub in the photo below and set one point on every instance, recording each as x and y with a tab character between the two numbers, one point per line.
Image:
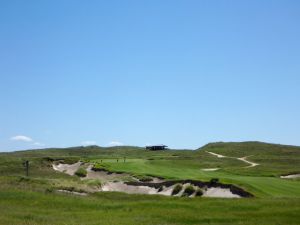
49	190
189	190
24	179
161	188
199	192
177	189
214	180
143	178
81	172
71	160
146	179
94	183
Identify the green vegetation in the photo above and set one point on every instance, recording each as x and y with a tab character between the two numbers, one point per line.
199	192
177	189
189	190
117	208
36	200
81	172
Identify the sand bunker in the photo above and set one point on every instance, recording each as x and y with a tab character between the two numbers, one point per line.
105	176
291	176
243	159
210	169
67	168
115	182
215	192
131	189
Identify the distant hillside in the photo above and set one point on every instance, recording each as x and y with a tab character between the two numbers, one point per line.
75	151
240	149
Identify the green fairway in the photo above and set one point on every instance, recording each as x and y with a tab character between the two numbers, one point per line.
182	169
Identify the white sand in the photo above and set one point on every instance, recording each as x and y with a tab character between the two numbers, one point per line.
219	193
122	187
209	192
67	168
210	169
130	189
291	176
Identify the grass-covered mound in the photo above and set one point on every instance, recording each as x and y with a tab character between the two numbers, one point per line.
81	172
189	190
177	189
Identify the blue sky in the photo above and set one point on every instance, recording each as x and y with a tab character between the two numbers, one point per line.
180	73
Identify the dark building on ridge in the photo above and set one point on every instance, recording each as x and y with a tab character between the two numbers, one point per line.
156	147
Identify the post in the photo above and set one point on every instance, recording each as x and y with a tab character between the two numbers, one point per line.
26	165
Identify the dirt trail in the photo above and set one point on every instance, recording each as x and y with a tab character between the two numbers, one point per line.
252	164
210	169
243	159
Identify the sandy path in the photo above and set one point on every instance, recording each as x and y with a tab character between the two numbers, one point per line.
252	164
243	159
218	155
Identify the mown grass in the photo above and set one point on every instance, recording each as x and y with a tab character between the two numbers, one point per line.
184	169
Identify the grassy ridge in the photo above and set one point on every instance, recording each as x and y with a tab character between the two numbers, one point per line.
274	159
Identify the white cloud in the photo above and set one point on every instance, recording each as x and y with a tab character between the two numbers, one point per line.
21	138
115	143
87	143
38	144
27	139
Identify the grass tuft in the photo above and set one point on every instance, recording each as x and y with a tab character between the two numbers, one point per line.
81	172
189	190
177	189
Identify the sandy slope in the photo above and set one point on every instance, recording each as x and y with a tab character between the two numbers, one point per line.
67	168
